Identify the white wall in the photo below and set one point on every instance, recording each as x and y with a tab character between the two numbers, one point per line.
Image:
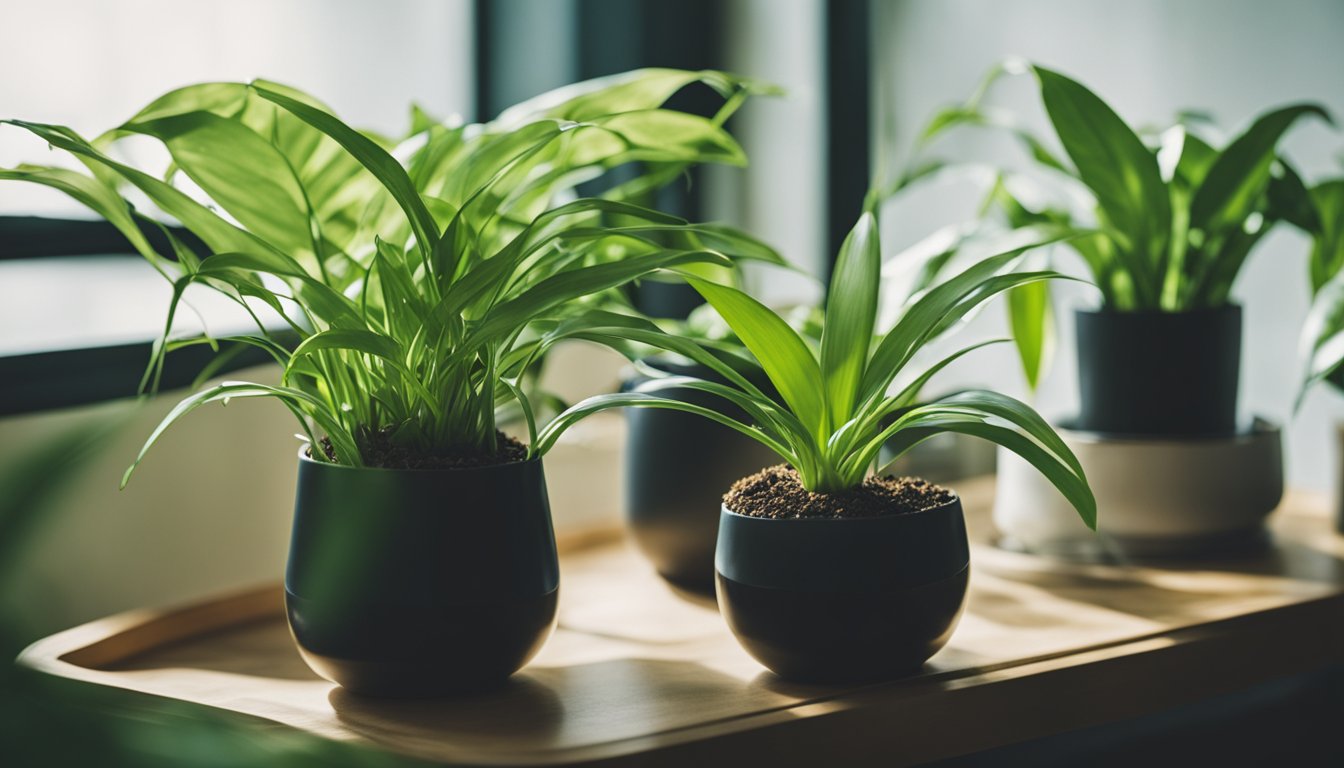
91	64
781	195
1147	58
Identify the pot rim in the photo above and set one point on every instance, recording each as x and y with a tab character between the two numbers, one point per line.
1258	431
954	501
305	458
1229	307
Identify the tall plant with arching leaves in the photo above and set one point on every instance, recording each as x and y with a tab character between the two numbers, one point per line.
1172	221
414	273
1319	211
839	402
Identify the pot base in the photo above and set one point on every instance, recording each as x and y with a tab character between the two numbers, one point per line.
843	637
1156	497
451	650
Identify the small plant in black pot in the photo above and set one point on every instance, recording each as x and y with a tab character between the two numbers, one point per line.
411	291
1174	223
826	572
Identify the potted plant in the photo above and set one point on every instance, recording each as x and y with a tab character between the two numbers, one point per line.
1173	224
1319	211
826	572
1173	220
413	276
677	466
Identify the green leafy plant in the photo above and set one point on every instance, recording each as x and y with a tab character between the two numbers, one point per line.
413	274
838	400
1319	211
1172	221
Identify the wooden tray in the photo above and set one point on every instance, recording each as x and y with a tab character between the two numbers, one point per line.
639	674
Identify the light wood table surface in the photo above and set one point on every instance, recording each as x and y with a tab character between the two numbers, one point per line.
638	674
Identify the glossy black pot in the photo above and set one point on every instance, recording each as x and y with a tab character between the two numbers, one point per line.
421	582
843	599
677	468
1159	373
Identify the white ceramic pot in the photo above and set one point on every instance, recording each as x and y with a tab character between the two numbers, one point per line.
1155	497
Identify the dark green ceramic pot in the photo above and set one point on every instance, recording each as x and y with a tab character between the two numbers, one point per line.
421	582
1171	374
677	468
832	600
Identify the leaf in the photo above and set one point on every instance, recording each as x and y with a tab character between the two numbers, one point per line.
217	233
1029	317
1114	163
1327	253
241	171
1234	183
369	343
94	195
782	354
1322	341
510	316
1059	468
551	432
945	304
222	99
667	136
851	312
299	402
373	157
624	92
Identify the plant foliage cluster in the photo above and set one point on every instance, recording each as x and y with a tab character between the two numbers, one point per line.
413	273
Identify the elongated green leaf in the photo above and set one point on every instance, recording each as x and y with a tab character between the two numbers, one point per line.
667	136
1114	163
316	296
1073	486
1323	335
1018	413
851	313
373	157
946	304
625	92
222	99
1029	317
217	233
511	315
781	353
368	343
95	196
242	172
551	432
301	403
1327	253
1238	177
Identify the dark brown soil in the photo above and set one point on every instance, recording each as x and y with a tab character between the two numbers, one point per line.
776	492
380	451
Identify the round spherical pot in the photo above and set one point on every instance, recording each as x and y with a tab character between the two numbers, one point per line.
420	582
677	468
843	599
1159	373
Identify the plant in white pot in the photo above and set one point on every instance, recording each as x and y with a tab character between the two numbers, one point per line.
825	570
414	277
1319	211
1172	223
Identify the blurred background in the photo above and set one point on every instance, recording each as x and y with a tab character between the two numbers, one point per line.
210	508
